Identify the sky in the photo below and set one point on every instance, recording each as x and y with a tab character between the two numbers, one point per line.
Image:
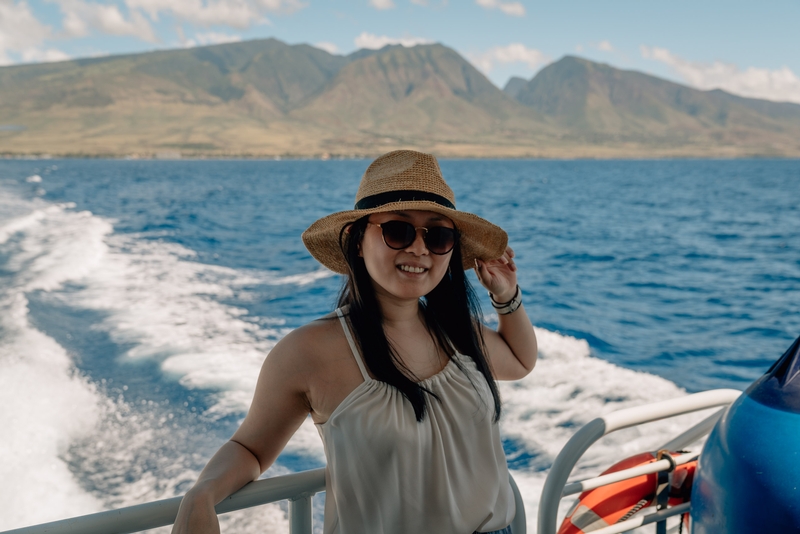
747	48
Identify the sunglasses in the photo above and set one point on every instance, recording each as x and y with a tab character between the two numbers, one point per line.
401	234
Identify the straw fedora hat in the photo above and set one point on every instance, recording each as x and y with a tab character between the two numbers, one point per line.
404	180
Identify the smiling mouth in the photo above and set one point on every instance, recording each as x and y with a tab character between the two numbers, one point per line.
410	269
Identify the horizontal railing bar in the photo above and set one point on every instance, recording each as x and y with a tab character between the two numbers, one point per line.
640	521
601	426
625	474
160	513
637	415
693	434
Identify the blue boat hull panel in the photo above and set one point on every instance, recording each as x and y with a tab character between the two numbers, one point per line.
747	479
748	474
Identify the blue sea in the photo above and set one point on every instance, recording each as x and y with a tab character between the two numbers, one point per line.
138	300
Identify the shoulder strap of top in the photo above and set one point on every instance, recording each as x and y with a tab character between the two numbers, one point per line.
352	343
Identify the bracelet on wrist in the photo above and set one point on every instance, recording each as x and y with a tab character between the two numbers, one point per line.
504	308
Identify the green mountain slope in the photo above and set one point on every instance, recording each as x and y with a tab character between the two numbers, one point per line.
284	75
514	85
596	101
425	92
222	99
267	98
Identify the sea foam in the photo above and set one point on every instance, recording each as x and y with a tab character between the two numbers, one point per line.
568	388
46	404
65	443
82	451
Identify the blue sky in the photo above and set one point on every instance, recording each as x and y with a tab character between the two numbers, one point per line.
746	48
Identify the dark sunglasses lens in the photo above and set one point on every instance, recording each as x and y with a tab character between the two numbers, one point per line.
398	234
440	239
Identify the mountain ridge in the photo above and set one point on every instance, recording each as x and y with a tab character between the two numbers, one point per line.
268	98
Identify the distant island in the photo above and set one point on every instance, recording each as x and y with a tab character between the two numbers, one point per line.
265	98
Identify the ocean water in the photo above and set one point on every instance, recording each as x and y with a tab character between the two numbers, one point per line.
138	300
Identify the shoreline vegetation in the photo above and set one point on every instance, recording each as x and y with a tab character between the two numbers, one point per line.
265	99
353	157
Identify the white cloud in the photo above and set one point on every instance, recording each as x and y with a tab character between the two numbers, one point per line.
210	38
36	55
22	35
18	27
382	4
605	46
513	53
281	6
328	47
372	41
781	84
81	17
205	38
239	14
420	2
515	9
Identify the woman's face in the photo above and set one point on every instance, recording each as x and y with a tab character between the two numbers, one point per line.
408	273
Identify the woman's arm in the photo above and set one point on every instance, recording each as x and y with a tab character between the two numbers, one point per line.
229	469
279	408
512	348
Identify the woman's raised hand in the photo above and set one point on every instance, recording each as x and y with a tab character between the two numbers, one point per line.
499	276
512	348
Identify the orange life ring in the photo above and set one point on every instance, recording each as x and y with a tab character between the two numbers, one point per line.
606	505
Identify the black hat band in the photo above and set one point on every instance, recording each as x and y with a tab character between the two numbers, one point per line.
374	201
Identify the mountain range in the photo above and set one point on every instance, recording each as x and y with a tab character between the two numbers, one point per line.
265	98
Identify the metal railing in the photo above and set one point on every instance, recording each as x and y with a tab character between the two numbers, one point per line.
555	486
298	488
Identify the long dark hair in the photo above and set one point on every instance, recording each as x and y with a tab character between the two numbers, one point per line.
452	316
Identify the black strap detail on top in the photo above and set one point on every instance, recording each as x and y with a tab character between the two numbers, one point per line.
373	201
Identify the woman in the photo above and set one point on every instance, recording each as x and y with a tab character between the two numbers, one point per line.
400	381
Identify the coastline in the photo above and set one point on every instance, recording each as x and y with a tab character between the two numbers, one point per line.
544	155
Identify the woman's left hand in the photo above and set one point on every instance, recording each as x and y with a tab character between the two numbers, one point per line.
511	348
499	276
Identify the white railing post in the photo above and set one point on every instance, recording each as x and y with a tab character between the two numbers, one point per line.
520	523
300	515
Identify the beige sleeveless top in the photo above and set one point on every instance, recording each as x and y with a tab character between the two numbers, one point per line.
389	474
